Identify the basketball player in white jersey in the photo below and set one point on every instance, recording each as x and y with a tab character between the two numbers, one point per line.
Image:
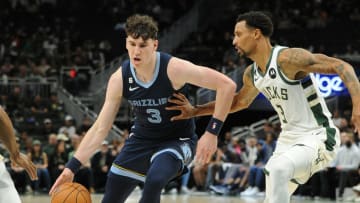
8	193
309	140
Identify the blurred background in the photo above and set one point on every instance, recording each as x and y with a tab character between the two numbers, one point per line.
56	57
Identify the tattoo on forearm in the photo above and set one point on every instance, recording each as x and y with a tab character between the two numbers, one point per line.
349	78
297	57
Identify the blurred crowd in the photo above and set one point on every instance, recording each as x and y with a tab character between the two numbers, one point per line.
38	37
317	25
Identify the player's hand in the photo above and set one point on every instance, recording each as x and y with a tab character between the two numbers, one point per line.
206	147
23	161
183	105
66	176
355	119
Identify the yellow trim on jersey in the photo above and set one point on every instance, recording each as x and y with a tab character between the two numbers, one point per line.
125	169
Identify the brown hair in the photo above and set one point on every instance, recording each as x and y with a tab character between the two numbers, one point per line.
142	26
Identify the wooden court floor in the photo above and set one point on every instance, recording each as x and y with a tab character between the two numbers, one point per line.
175	198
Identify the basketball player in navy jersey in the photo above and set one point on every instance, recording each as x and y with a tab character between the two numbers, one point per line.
157	149
309	140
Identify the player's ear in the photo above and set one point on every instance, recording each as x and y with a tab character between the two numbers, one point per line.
257	33
156	44
126	43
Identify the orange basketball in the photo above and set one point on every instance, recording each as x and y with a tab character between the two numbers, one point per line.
71	193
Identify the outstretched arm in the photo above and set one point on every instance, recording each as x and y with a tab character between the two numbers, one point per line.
99	130
181	72
300	61
241	100
7	137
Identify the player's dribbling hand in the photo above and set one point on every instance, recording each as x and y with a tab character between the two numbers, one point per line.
183	105
206	147
23	161
66	176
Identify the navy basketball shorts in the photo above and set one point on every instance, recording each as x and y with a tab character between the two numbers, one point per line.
136	156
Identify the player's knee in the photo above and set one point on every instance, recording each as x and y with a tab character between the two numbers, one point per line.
156	180
281	172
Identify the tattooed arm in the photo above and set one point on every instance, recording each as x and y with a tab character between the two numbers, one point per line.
296	62
241	100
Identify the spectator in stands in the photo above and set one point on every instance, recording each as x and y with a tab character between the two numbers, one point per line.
243	151
40	159
44	67
50	147
229	67
39	106
356	189
252	150
4	101
100	164
256	177
267	128
68	128
347	161
232	151
28	144
35	75
58	160
22	72
234	180
85	123
97	59
7	68
227	139
56	107
16	101
47	128
23	140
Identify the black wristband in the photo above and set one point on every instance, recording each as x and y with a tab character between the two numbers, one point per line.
74	165
214	126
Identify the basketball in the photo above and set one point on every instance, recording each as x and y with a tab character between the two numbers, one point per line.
71	193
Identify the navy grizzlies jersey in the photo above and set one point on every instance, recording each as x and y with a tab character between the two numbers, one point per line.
148	101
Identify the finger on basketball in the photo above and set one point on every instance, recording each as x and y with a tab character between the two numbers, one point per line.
53	188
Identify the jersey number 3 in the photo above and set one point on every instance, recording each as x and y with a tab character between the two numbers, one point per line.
154	115
282	113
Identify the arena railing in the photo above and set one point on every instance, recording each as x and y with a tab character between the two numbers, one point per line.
29	86
78	111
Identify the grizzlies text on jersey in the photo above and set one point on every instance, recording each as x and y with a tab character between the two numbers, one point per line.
148	101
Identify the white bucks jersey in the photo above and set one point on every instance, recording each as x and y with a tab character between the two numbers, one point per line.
297	102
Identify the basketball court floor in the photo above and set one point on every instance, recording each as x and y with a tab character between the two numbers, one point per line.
195	197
